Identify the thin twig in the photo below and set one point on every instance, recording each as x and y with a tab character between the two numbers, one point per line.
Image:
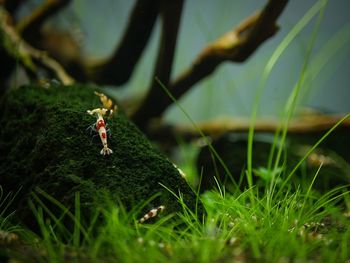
30	26
29	57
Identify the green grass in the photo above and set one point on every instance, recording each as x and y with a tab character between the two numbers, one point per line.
297	225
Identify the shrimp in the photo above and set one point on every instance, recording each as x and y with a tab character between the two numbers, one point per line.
107	103
100	128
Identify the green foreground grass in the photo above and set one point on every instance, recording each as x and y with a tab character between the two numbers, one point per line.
299	225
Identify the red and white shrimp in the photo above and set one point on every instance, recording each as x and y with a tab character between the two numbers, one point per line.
152	213
100	127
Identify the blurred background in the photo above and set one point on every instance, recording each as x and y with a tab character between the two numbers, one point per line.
229	92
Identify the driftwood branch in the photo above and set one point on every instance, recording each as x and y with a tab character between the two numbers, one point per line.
62	46
11	5
29	27
215	128
171	14
118	68
29	57
236	46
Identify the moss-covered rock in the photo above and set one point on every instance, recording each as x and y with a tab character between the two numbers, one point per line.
44	143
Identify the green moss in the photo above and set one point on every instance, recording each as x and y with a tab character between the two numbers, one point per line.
46	145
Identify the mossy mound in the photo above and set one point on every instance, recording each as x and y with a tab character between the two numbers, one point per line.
44	143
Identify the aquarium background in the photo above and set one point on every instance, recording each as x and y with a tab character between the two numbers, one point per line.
230	91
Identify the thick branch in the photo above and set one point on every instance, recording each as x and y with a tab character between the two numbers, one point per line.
235	46
30	26
11	5
171	14
301	125
30	58
119	67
